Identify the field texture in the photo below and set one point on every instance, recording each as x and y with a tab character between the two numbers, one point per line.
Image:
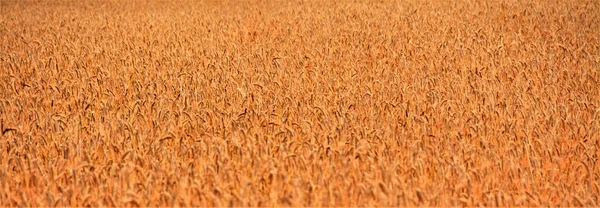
314	103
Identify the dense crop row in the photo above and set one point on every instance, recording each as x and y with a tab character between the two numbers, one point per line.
312	103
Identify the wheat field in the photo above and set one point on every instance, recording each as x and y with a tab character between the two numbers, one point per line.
299	103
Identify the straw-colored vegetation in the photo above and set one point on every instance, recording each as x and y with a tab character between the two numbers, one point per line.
315	103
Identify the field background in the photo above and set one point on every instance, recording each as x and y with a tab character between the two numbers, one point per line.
299	103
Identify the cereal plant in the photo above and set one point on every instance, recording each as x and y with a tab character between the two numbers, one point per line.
299	103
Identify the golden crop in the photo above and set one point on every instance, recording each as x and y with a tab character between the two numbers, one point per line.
299	103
